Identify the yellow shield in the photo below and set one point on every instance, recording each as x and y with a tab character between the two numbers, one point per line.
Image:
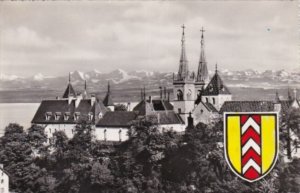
251	143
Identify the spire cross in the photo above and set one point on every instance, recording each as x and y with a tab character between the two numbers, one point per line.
216	67
182	28
69	77
202	30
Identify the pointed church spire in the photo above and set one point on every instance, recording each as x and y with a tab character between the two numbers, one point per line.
108	87
85	94
108	99
69	92
290	98
202	75
183	66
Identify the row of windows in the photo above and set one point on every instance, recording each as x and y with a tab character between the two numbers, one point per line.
66	116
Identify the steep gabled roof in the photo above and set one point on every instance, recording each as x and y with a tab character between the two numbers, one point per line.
62	107
69	91
108	99
161	105
145	107
210	107
247	106
287	104
117	119
165	118
216	86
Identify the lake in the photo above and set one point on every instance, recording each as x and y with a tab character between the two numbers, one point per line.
21	113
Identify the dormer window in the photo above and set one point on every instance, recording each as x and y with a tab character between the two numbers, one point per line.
100	115
90	115
48	116
76	116
57	116
66	116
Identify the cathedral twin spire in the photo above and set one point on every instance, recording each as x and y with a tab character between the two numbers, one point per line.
183	65
183	73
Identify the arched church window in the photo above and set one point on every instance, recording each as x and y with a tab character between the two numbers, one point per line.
206	99
179	95
214	100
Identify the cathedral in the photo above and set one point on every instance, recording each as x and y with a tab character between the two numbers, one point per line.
194	93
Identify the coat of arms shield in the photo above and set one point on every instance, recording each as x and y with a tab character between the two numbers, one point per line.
251	143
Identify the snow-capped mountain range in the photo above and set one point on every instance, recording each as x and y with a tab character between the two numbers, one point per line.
121	79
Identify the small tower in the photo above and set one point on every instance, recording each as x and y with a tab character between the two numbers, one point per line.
290	98
85	94
202	73
108	102
184	85
69	92
216	92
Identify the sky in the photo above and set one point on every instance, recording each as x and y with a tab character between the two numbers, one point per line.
54	38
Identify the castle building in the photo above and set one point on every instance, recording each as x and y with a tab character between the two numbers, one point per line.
4	180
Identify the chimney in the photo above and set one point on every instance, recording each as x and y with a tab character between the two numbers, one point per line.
160	92
165	92
150	99
190	120
168	95
93	100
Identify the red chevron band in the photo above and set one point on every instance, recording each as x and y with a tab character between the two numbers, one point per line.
251	146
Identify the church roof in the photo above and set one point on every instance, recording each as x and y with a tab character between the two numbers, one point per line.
117	119
210	107
216	86
247	106
69	91
61	107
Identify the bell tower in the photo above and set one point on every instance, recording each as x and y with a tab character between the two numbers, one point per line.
184	85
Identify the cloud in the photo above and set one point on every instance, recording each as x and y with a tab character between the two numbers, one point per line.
145	35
